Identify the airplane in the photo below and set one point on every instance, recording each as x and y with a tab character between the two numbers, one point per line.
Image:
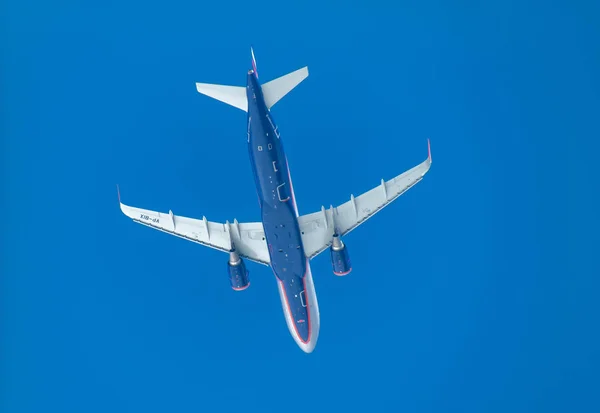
283	239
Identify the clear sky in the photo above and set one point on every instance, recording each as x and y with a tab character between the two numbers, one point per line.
475	291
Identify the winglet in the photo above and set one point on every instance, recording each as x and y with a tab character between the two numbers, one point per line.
429	150
123	207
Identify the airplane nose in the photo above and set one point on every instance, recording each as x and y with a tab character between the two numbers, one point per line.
304	331
308	347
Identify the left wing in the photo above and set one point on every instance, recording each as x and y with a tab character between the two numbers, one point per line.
248	238
318	228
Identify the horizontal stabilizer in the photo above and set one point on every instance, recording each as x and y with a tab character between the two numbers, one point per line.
274	90
232	95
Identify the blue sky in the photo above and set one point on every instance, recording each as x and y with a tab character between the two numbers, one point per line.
476	291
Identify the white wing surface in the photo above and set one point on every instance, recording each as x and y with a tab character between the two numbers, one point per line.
232	95
318	228
248	238
276	89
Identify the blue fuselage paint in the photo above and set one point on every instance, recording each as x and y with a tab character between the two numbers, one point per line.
278	206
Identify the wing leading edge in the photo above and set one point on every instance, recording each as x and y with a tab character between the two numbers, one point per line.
248	238
318	228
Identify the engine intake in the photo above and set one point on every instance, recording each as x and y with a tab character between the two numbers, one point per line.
340	258
238	274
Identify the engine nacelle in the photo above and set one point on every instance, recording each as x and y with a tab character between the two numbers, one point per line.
340	258
238	274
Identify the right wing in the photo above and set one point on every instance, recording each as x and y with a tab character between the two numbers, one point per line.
248	238
318	228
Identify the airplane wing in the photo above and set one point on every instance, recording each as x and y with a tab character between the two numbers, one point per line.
318	228
248	238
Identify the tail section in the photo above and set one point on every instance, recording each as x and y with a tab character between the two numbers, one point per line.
276	89
254	62
273	91
232	95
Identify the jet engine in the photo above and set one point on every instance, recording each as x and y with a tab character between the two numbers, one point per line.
340	259
238	274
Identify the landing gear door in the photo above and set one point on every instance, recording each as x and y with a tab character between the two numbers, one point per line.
303	298
283	193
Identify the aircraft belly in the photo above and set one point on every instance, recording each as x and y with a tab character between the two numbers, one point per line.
301	310
294	298
280	222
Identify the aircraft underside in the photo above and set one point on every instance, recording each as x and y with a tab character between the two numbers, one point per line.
280	221
283	239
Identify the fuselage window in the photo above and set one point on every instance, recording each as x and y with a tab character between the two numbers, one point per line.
260	148
275	166
270	146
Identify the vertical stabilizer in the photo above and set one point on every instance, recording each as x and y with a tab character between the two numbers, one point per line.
253	62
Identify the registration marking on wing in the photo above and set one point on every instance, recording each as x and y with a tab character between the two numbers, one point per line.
148	218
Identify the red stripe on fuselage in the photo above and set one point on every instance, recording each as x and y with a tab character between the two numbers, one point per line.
287	303
343	273
241	288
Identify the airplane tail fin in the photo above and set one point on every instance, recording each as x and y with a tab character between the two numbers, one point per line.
276	89
253	62
273	90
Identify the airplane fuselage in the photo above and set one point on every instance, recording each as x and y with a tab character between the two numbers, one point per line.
282	239
280	220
